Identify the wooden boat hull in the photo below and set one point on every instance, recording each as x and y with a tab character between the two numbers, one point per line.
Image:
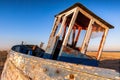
25	67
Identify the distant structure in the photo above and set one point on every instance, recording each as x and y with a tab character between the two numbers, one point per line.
41	44
22	43
67	29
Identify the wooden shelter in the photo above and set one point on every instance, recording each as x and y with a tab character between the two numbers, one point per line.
67	29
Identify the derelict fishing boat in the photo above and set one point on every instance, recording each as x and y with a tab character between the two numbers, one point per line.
68	29
65	57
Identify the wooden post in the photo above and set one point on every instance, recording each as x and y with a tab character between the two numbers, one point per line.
87	37
62	25
77	37
70	27
102	44
57	37
55	26
65	26
73	36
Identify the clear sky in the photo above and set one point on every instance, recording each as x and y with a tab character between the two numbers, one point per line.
31	20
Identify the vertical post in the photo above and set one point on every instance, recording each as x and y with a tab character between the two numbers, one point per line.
87	37
70	27
102	44
55	25
73	36
77	37
62	25
58	35
64	32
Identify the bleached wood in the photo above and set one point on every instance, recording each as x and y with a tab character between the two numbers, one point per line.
68	12
62	25
55	20
55	25
70	27
77	37
73	35
87	37
65	26
102	44
91	17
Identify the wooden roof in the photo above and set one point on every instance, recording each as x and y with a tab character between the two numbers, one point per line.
89	12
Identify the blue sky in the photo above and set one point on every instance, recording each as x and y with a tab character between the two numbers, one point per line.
31	20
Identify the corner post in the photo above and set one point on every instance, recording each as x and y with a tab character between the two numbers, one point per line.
87	37
53	32
102	44
62	25
75	13
56	22
70	27
58	35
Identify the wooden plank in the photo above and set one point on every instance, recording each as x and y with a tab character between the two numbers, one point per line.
77	37
65	26
102	44
62	25
68	12
87	37
70	26
44	69
73	36
53	32
55	20
91	17
69	29
56	26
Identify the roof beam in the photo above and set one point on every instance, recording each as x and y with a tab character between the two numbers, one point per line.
91	17
68	12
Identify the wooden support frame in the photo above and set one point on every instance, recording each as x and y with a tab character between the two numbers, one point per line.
62	25
77	37
68	12
73	36
56	22
57	37
91	17
70	26
65	26
53	28
87	37
69	29
102	44
65	31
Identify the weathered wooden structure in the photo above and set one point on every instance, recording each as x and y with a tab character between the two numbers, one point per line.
62	46
24	67
67	29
